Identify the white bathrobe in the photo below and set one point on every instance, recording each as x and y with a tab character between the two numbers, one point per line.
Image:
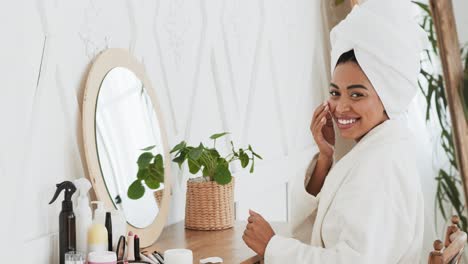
370	209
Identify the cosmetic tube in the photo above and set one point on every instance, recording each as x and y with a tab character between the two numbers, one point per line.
130	246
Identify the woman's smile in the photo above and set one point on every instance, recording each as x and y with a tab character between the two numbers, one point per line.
345	122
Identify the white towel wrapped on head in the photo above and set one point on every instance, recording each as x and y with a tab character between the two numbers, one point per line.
387	43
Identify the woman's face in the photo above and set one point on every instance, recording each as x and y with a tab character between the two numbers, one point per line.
354	104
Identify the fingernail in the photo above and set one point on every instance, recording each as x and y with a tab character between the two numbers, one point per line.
323	120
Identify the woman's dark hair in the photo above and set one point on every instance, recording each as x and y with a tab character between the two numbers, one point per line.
348	56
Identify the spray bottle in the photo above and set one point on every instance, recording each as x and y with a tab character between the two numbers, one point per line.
67	231
84	215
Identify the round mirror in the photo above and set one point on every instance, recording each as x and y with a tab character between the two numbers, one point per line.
121	121
126	123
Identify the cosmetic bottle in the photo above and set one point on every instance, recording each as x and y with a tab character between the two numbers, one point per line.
136	250
67	228
97	233
83	215
109	230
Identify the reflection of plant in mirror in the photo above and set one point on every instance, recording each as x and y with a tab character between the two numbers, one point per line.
150	171
210	162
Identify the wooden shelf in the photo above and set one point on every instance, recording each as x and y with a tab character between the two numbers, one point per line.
226	244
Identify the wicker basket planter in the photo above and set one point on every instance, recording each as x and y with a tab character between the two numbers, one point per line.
209	205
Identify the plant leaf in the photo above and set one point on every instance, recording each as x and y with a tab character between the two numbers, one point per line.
158	161
194	167
142	174
196	152
144	160
180	158
213	153
222	174
156	172
206	172
252	166
136	190
179	146
244	158
149	148
215	136
152	183
253	152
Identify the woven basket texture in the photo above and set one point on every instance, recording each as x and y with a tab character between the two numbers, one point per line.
209	205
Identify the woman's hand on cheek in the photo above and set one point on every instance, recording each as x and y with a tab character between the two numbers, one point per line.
258	233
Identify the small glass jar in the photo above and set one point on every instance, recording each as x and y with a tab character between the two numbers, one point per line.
74	257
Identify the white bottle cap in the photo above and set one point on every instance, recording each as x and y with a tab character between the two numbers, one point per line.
83	186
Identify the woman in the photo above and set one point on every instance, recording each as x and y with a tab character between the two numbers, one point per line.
368	207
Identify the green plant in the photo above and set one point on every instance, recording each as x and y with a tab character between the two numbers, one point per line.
210	162
448	180
150	171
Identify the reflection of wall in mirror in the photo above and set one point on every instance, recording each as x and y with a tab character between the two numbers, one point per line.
126	123
460	8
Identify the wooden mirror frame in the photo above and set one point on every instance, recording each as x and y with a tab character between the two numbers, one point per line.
447	39
105	62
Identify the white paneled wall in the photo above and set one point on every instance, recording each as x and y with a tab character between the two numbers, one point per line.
251	67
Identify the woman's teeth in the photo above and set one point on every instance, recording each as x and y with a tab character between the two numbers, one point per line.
346	121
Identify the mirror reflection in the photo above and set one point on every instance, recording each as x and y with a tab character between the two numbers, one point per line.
126	123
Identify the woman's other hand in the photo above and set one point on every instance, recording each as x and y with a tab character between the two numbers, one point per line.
258	233
323	131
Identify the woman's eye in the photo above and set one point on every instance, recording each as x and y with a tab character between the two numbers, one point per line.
356	95
334	93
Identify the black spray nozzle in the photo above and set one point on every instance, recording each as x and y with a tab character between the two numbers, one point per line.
69	188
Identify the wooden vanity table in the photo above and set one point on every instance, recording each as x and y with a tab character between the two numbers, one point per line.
226	244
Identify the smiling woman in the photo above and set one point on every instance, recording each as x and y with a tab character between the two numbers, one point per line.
354	104
368	206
